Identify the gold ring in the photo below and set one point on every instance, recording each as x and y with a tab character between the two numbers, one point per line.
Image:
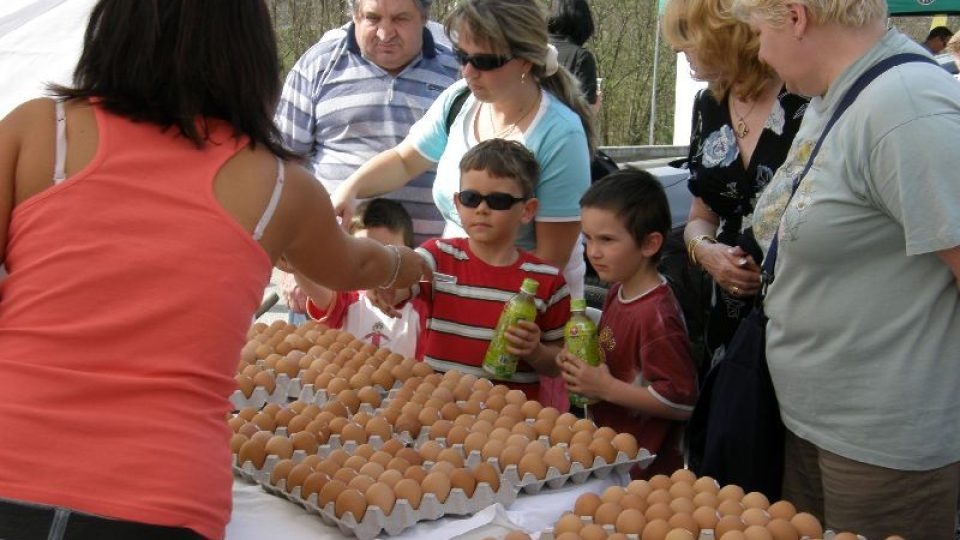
735	290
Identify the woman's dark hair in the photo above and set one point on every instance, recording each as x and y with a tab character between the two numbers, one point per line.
571	18
637	198
174	62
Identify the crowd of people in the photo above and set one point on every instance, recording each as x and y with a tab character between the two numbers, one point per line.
176	172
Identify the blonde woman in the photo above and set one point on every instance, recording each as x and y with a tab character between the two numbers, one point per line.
743	124
516	92
864	310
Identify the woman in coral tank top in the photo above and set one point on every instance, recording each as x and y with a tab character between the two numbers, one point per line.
140	215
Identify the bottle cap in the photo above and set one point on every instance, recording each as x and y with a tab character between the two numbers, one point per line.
578	304
530	286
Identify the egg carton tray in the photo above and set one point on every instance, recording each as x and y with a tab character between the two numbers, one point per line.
705	534
319	396
250	473
403	515
260	397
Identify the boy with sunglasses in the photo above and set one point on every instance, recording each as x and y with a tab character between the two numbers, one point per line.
497	179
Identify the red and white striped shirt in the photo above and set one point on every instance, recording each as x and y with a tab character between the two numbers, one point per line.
461	315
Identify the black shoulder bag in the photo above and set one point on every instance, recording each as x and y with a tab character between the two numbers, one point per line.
735	433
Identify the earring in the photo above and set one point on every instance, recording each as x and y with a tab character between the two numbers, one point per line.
523	77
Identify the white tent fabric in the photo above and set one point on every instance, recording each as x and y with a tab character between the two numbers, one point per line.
40	42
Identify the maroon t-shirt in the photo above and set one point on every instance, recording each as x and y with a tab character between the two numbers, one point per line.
644	341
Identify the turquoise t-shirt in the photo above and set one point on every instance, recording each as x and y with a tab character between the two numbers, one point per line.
555	137
863	341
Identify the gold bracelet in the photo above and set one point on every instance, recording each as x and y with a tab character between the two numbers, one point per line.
696	241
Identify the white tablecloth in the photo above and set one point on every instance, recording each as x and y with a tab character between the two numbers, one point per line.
257	515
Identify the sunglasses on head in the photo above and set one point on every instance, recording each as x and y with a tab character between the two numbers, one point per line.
495	201
482	62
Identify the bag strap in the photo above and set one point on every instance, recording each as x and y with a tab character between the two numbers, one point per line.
770	261
454	109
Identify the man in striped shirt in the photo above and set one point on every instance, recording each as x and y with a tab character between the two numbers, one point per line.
352	97
356	93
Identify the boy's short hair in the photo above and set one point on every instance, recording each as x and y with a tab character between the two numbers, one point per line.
637	199
386	213
504	159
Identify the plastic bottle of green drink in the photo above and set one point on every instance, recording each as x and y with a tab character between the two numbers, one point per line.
521	307
580	340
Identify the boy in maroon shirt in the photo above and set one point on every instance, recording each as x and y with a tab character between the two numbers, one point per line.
647	384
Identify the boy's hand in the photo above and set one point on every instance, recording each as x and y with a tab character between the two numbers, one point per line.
523	338
582	378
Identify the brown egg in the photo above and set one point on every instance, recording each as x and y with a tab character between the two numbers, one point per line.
706	483
280	471
568	536
482	426
408	423
543	427
391	446
682	490
531	464
606	513
526	430
782	529
755	499
398	464
381	457
474	442
245	384
390	477
593	531
587	504
457	434
581	437
361	483
706	517
430	450
412	456
518	439
312	484
658	511
605	432
351	500
531	409
304	440
732	492
729	507
510	455
516	535
298	423
683	475
656	529
782	509
728	523
602	448
613	494
807	525
463	479
280	446
757	532
451	456
705	498
554	457
252	451
682	505
640	487
345	475
236	441
568	522
733	535
679	534
353	432
581	453
382	496
561	434
265	421
632	500
754	516
372	469
682	520
630	521
330	492
416	473
626	443
438	484
355	462
619	536
485	472
409	490
659	496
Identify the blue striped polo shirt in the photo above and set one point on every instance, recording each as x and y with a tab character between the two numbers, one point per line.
338	109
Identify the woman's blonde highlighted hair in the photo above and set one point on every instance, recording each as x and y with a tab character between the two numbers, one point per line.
518	28
848	13
724	46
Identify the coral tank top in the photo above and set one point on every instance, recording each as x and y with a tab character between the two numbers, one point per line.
129	294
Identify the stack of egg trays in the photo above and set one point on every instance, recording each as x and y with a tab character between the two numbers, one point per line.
554	479
547	534
262	476
260	397
310	394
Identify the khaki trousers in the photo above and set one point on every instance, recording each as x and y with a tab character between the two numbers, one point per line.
873	501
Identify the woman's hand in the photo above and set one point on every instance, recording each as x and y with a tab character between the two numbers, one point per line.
731	268
413	269
344	202
523	338
582	378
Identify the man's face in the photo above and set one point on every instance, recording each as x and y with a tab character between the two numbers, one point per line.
389	32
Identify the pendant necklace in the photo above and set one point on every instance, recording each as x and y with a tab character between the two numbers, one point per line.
510	129
740	129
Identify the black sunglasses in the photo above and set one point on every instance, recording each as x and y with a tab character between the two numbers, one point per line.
495	200
482	62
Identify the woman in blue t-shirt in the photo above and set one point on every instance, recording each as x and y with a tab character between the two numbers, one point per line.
514	90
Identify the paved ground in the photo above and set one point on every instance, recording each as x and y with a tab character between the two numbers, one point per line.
279	310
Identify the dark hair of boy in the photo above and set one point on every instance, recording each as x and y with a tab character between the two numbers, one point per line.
501	158
637	199
940	32
173	62
385	213
572	19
